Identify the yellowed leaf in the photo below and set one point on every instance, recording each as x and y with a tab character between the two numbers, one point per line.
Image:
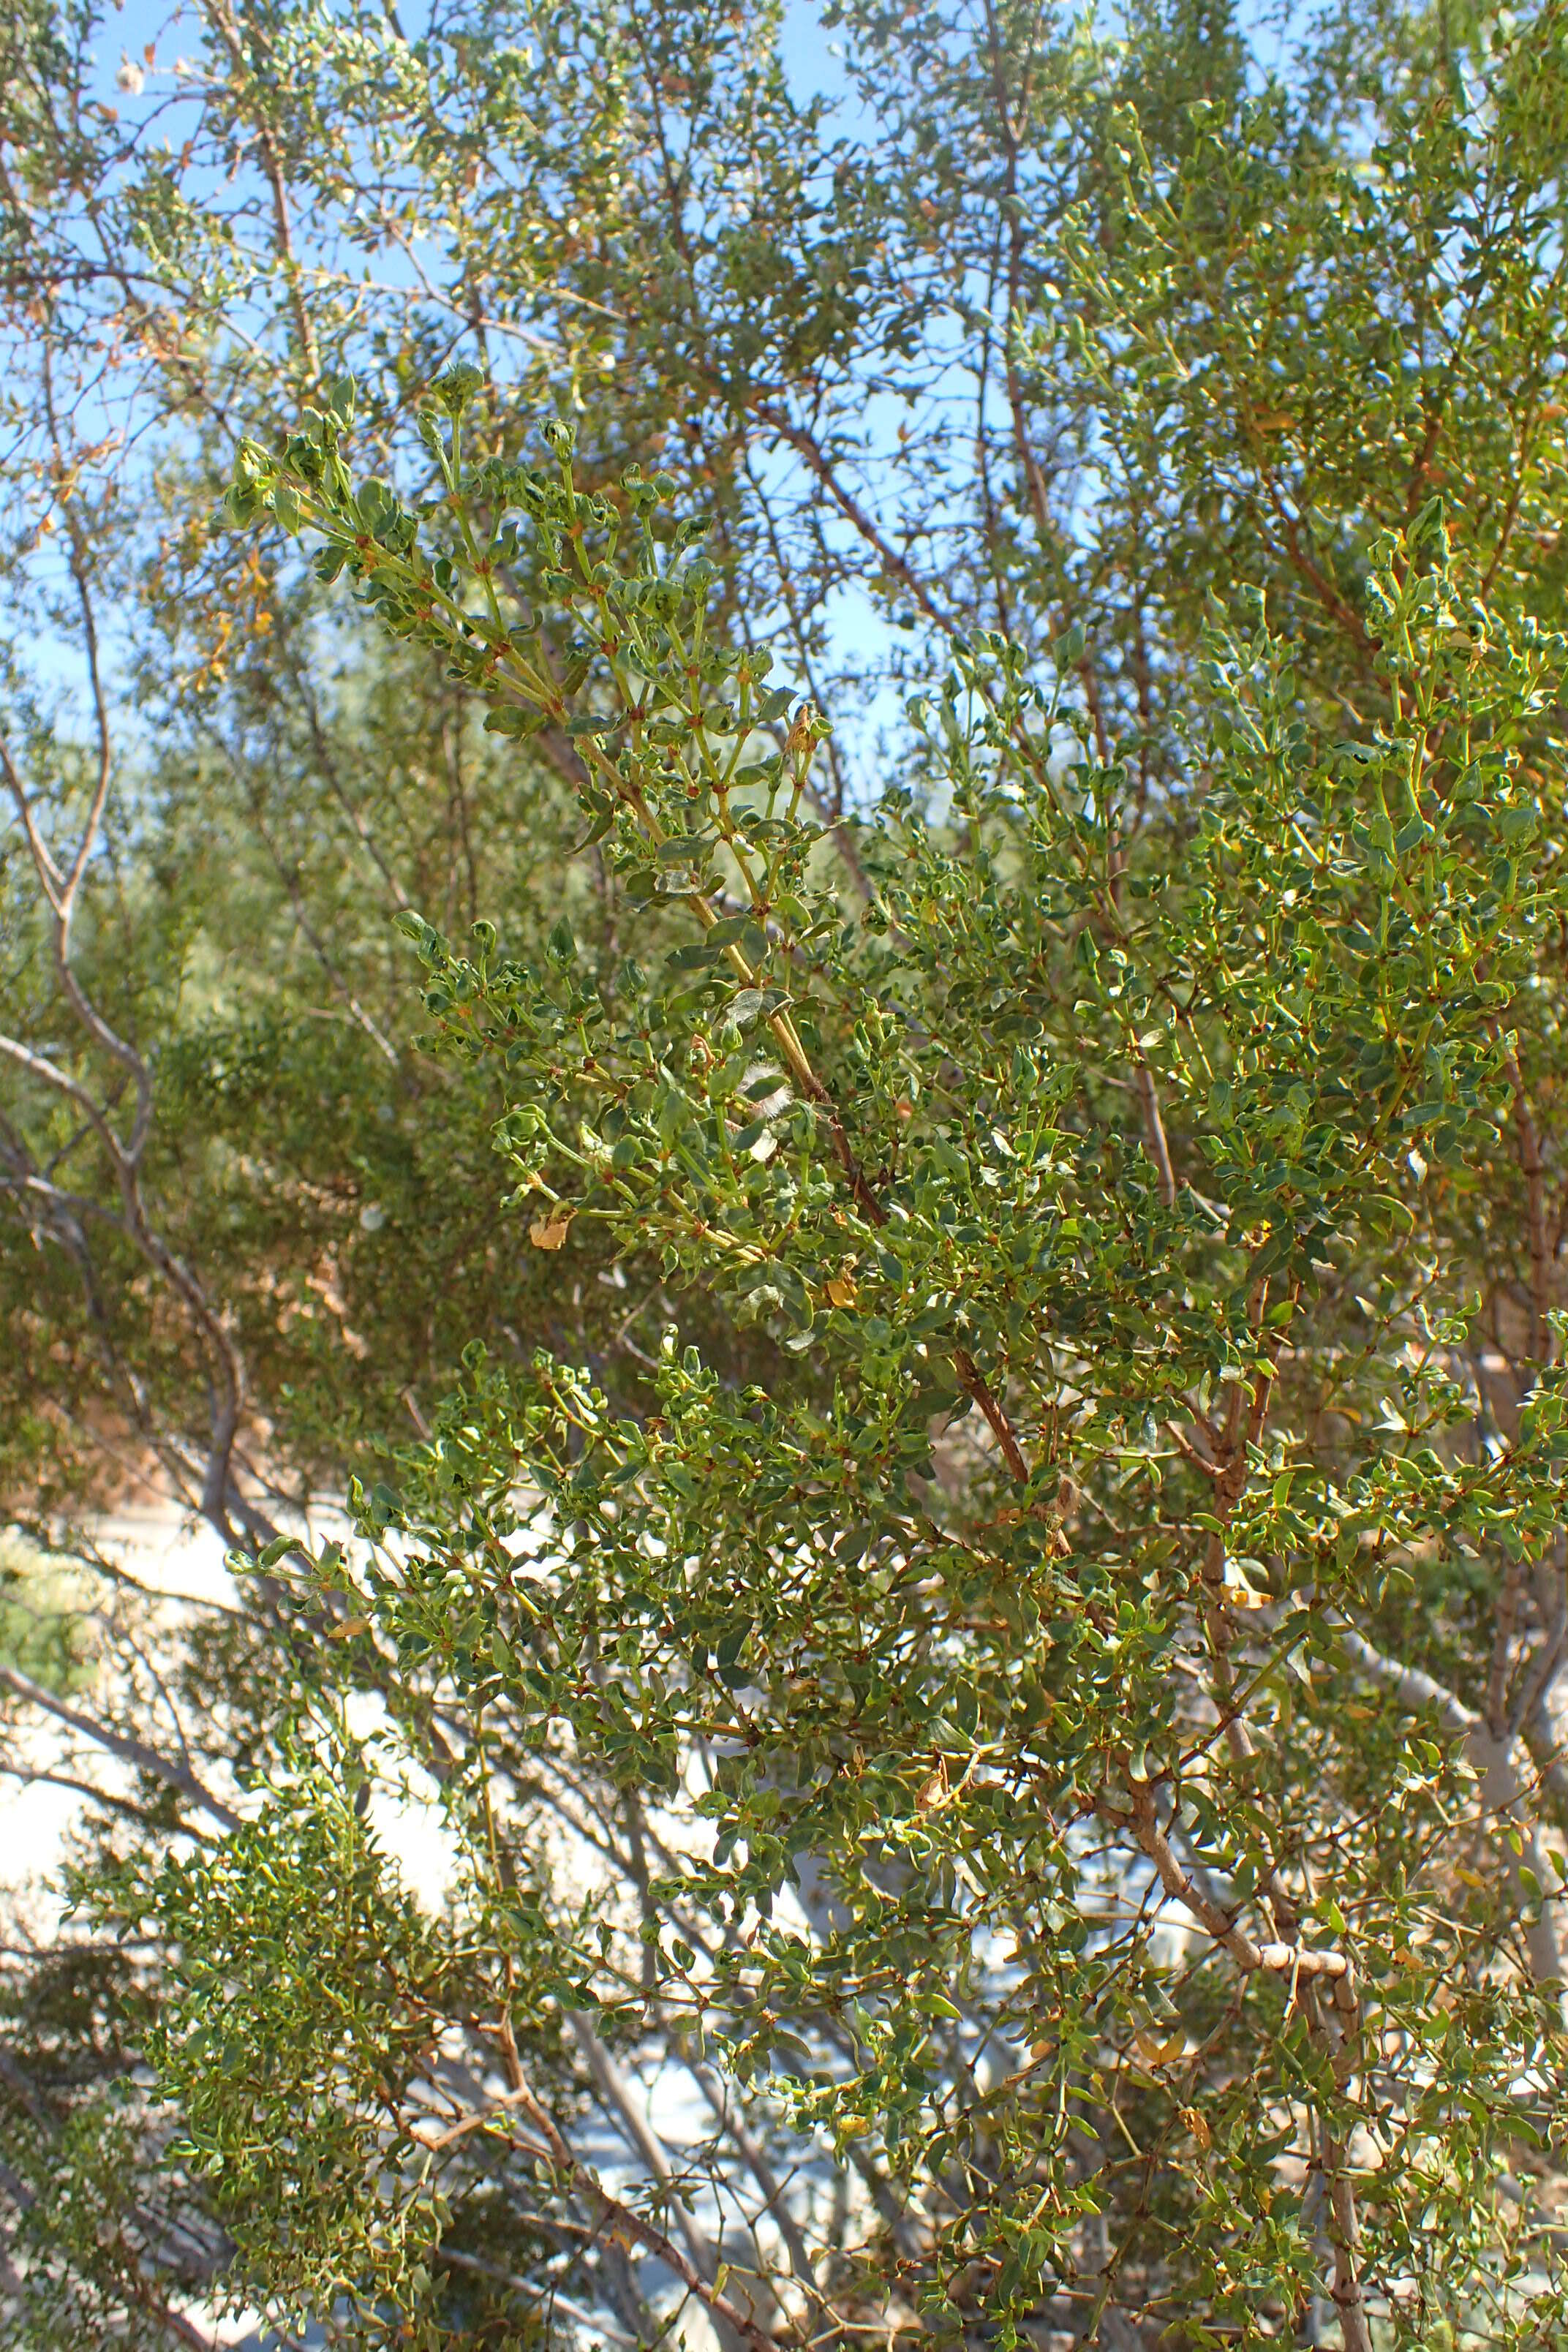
1238	1592
1159	2050
842	1290
551	1230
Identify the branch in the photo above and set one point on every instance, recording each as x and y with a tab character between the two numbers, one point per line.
1414	1689
37	1065
631	2224
767	2179
61	890
1532	1169
287	872
1295	1960
616	2092
128	2283
178	1777
549	2297
1305	1968
41	1779
1154	1128
1503	1652
977	1387
219	16
1538	1672
894	564
1500	1759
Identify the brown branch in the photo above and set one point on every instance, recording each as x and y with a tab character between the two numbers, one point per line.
1322	587
1305	1969
976	1387
895	566
549	2297
1023	444
38	1779
1247	1413
773	2198
1273	1958
1189	1454
971	1378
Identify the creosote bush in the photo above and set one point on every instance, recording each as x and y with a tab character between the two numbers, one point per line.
1044	1711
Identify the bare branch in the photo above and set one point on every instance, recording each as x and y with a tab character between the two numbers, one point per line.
616	2093
1413	1688
175	1776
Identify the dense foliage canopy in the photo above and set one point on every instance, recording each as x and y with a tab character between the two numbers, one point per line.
796	866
